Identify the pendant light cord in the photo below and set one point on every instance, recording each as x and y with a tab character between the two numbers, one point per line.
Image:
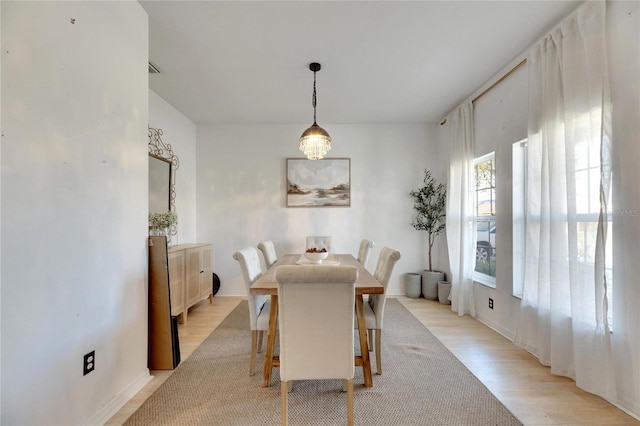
313	100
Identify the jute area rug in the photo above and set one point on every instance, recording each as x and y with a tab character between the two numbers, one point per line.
422	383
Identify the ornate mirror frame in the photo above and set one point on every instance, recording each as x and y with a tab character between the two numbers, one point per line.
161	150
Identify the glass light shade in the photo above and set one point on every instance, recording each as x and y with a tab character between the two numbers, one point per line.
315	142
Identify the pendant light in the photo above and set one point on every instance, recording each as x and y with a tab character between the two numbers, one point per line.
315	142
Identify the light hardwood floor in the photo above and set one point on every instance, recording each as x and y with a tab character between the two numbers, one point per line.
514	376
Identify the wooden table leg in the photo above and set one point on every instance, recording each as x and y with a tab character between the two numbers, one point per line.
362	332
271	341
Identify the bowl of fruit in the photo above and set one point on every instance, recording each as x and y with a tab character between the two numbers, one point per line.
315	255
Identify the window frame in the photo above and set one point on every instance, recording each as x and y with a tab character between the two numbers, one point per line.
479	277
519	152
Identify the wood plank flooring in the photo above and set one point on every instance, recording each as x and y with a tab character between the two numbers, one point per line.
514	376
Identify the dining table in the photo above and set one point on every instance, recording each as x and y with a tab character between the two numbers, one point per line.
365	284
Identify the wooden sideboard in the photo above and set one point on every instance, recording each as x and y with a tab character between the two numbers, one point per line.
179	277
190	277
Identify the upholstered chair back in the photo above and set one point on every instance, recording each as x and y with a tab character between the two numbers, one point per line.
251	270
316	339
364	251
268	250
384	268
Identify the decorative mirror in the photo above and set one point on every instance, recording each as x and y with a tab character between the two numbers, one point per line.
159	184
163	163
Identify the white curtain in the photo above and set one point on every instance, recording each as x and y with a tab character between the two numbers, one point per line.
460	235
563	316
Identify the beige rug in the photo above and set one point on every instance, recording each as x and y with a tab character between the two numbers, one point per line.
422	384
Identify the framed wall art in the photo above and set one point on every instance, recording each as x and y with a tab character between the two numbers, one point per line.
319	183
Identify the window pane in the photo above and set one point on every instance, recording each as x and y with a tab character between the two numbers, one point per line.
486	243
581	156
594	153
587	232
486	204
594	186
582	192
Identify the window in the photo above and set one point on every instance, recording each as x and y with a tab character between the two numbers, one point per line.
587	187
586	180
485	219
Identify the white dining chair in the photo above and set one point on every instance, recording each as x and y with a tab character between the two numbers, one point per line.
374	308
316	340
364	251
320	242
259	306
268	250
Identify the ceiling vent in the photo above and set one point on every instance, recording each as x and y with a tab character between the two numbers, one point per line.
153	69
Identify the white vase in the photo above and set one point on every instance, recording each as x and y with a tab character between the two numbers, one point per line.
430	284
162	232
168	235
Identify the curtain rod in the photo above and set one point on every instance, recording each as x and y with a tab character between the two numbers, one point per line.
500	80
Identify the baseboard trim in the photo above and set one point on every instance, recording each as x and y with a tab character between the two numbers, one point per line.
507	334
110	409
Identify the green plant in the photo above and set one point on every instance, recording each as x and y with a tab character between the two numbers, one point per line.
429	201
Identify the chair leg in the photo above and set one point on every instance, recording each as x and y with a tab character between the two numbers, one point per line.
284	396
254	340
378	352
370	339
350	402
260	336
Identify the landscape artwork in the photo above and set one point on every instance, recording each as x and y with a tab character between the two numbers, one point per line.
319	183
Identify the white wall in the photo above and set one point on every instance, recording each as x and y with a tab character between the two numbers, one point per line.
180	133
74	209
242	183
500	119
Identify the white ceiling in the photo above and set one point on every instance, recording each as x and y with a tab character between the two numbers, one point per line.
382	61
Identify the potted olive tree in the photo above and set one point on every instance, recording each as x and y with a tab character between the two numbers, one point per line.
429	201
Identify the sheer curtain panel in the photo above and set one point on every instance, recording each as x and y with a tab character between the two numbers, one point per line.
460	215
563	317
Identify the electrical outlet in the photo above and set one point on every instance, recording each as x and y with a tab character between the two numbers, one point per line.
490	303
89	363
